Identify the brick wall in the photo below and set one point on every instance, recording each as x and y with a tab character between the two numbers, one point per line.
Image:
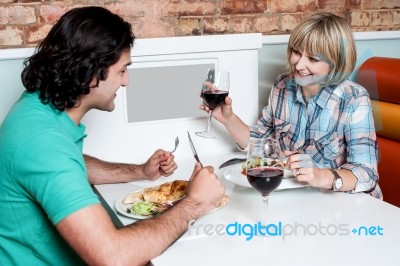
24	23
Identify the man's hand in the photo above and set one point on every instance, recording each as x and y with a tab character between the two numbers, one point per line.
161	163
204	189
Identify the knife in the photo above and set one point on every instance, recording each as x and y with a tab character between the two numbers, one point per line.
194	150
232	161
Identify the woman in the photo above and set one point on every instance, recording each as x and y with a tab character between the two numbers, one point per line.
316	110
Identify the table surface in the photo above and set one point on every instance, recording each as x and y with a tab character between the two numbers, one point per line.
304	225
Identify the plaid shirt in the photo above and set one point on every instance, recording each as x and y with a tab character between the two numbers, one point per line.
336	128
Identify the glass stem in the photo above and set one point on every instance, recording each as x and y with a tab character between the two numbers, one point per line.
209	121
265	199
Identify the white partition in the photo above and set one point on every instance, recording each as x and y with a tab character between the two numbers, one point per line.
11	65
111	137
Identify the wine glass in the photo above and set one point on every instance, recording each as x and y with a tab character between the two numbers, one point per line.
214	91
264	169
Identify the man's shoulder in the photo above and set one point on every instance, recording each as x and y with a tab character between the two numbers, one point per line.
30	123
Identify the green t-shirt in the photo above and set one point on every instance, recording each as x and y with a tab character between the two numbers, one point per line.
43	179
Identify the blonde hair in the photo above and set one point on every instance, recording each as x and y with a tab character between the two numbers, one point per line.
330	38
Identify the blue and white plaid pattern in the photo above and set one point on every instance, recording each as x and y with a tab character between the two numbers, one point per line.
336	128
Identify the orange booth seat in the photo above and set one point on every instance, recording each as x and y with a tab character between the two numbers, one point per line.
381	77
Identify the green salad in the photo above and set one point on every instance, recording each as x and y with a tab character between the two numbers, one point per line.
256	162
143	208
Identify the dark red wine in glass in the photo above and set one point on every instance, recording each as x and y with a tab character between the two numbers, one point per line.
213	98
214	90
262	176
265	180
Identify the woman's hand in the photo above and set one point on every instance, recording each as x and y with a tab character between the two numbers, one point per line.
235	126
221	113
304	169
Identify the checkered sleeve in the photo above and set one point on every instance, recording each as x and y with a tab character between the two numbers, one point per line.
362	149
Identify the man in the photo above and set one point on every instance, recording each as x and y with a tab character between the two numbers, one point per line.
49	213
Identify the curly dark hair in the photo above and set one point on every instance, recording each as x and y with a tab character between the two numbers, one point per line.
79	48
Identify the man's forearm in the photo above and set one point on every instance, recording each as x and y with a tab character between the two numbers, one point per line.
134	244
101	172
157	234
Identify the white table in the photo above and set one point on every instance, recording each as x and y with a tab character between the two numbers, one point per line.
316	227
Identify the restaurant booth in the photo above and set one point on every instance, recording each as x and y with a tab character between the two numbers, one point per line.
381	77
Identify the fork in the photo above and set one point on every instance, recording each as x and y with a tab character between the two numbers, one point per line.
176	144
283	161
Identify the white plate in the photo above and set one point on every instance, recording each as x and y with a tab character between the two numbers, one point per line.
234	175
121	208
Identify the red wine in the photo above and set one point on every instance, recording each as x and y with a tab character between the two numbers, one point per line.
214	98
265	180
